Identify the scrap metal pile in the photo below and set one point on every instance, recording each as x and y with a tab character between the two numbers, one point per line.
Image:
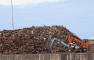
33	40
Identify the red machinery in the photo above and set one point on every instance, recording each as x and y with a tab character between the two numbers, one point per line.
84	43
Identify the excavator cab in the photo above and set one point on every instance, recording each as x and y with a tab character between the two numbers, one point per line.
86	44
85	40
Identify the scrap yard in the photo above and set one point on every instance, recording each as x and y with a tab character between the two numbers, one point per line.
43	41
46	30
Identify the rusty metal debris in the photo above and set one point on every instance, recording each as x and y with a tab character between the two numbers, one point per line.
32	40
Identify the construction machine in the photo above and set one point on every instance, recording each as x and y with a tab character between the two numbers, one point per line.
69	48
83	44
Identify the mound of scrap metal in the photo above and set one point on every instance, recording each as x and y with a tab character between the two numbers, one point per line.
33	40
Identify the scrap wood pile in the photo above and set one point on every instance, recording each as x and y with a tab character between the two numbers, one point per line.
32	40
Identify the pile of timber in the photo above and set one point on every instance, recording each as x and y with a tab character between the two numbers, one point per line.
34	40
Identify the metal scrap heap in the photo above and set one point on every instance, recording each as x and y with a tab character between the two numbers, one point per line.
33	40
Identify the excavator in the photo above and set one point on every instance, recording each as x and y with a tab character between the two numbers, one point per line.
68	46
74	44
83	44
55	39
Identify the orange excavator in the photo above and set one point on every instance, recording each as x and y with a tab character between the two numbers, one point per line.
82	44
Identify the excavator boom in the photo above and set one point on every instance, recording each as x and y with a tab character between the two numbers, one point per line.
55	39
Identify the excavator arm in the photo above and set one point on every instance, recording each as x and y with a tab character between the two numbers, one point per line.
55	39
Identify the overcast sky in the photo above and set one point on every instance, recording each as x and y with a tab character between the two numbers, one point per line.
76	15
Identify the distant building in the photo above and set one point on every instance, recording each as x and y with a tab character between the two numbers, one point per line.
91	43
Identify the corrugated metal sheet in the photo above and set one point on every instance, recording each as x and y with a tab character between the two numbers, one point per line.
65	56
